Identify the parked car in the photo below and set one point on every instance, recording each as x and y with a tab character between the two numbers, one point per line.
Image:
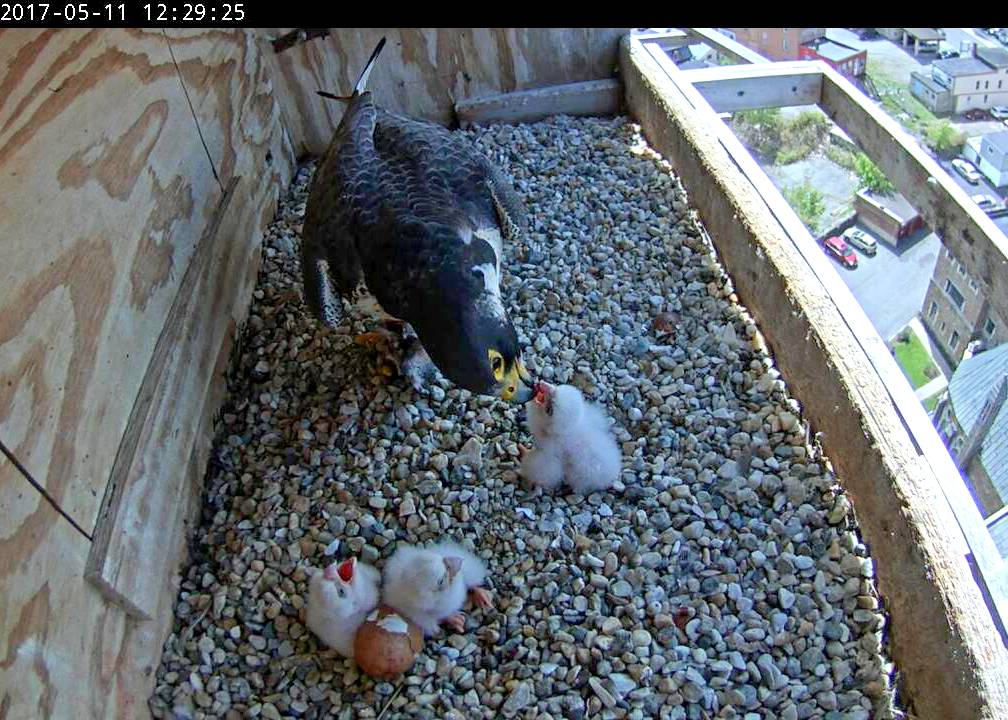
990	205
967	170
999	111
977	114
841	251
861	240
946	53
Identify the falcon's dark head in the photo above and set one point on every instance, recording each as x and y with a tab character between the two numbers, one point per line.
471	339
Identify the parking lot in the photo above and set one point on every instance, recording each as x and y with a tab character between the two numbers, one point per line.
981	188
891	285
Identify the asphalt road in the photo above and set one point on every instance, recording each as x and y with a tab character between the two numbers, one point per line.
891	286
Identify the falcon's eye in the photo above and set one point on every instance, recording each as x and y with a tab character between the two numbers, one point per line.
497	364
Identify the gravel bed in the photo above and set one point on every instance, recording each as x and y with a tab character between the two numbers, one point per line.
722	577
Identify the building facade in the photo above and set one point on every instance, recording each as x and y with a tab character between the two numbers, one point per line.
890	217
990	155
979	80
956	311
777	43
842	58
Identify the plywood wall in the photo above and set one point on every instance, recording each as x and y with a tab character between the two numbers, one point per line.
137	171
424	71
116	149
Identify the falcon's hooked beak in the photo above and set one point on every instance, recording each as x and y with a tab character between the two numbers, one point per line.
517	386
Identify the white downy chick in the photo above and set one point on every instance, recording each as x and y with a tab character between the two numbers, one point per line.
339	599
429	584
575	443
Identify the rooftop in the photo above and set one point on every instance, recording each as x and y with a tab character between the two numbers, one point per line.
925	34
999	140
969	388
895	203
929	82
957	67
995	57
832	50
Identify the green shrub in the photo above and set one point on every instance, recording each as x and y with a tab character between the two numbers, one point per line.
943	138
807	202
871	177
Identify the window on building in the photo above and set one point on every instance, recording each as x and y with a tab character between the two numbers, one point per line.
953	339
989	327
961	268
943	326
785	44
933	310
985	99
953	292
976	288
978	85
986	85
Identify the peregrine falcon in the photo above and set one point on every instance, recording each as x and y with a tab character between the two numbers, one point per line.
406	220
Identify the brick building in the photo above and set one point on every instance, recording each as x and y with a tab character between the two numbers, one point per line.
777	43
956	312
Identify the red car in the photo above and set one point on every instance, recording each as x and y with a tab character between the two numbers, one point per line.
841	251
977	114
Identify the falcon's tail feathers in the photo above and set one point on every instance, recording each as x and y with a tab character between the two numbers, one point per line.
362	81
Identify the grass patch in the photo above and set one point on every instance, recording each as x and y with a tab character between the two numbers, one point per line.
932	402
807	202
914	360
779	140
842	156
898	100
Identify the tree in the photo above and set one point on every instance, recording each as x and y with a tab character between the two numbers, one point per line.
807	202
871	177
943	138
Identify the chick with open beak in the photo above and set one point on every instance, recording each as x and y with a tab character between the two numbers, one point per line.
575	444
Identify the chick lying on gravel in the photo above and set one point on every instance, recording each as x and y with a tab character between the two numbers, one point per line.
429	585
339	598
575	444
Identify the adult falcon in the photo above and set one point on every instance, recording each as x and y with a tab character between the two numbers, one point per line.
406	220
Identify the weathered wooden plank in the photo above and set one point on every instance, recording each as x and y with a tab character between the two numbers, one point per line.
100	214
747	87
424	71
958	667
64	651
595	97
148	494
908	407
963	227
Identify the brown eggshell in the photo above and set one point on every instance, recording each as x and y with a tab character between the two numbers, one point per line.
387	643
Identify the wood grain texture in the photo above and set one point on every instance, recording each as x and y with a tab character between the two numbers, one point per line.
100	211
424	71
942	637
64	651
593	97
157	475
